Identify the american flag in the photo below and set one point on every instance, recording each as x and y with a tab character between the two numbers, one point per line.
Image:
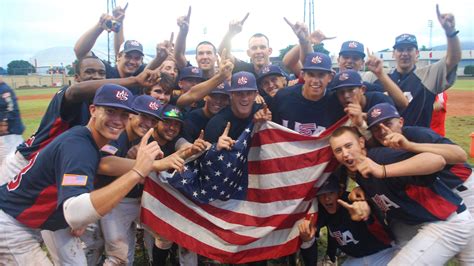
285	169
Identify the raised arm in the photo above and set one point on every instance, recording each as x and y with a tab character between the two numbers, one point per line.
119	15
235	27
453	54
85	43
163	51
180	48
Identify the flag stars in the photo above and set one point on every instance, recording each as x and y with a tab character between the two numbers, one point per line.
247	130
226	179
229	165
184	181
220	157
195	171
214	187
203	192
222	192
185	168
238	154
217	173
195	194
239	188
207	178
209	163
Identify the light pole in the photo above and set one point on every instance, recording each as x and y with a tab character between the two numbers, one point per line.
430	26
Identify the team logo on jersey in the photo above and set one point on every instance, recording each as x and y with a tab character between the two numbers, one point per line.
317	59
343	76
122	95
74	180
154	105
343	238
266	69
242	80
6	95
195	70
384	203
109	149
352	45
375	113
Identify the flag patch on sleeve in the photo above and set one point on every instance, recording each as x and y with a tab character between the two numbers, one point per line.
109	149
74	180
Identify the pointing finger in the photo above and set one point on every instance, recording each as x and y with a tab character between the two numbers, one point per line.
171	38
201	135
438	13
345	204
145	138
384	127
288	22
226	130
188	16
245	18
223	54
125	7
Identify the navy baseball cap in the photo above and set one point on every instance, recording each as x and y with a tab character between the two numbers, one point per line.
352	47
270	70
113	95
330	185
169	111
131	45
147	104
405	39
222	88
381	112
243	81
347	78
191	72
317	61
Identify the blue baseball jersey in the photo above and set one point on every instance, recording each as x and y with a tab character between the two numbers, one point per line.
410	199
58	118
215	127
9	110
119	148
373	98
64	169
356	239
111	72
452	175
290	109
420	86
240	65
194	122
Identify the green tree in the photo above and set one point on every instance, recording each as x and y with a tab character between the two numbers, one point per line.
20	67
317	48
424	48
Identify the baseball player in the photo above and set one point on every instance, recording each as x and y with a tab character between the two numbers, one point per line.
407	190
11	126
366	242
54	190
421	85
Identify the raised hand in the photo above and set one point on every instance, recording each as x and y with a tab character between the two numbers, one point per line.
198	146
354	111
119	13
447	21
359	210
103	20
225	65
225	142
148	78
393	139
183	21
366	167
263	114
300	29
317	37
374	63
235	26
307	229
146	154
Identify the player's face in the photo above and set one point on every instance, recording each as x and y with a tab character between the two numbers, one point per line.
168	129
216	102
315	83
350	61
141	123
271	84
109	122
394	124
242	102
329	201
347	95
169	67
346	148
91	69
186	84
205	57
259	52
128	63
160	94
406	57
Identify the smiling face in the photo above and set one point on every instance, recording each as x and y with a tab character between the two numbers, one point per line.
206	57
406	56
272	83
347	95
107	122
90	69
139	125
242	102
168	129
259	52
394	124
128	63
315	83
215	102
346	147
350	61
169	67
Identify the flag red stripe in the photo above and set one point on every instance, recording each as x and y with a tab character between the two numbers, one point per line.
187	241
290	163
280	221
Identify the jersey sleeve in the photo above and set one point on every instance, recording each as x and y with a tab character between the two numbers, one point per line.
76	169
435	77
424	135
214	129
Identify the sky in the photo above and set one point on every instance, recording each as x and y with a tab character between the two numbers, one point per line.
29	26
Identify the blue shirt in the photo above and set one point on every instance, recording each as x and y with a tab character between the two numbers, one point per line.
58	118
111	72
194	122
64	169
9	110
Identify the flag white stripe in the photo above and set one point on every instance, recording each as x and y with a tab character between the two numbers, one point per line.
284	149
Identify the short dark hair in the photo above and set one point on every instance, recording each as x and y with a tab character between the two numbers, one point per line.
341	130
78	63
208	43
259	35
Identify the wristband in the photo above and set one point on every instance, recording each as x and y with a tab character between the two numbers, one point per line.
138	173
384	171
453	34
